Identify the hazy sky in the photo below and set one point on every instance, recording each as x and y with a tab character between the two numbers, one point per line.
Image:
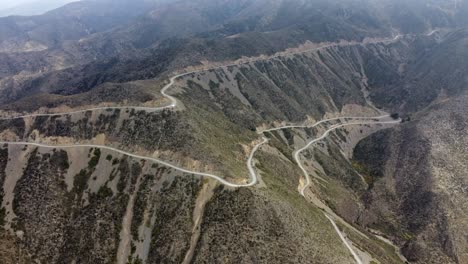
4	4
20	7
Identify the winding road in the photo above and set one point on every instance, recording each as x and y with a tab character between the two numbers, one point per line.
173	104
324	135
172	80
308	180
252	173
253	178
321	122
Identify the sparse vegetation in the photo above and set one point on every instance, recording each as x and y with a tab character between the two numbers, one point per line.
141	204
122	52
80	182
104	192
95	159
365	172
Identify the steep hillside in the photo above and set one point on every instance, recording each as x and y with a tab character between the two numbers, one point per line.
435	73
82	18
29	8
91	194
288	89
125	207
145	39
104	158
418	197
212	131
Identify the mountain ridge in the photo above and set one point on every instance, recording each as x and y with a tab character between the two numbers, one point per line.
291	64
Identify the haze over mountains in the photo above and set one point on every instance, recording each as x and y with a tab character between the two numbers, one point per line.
106	159
30	7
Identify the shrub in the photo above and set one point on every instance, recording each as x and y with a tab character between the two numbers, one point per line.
395	116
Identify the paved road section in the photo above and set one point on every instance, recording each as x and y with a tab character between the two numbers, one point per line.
324	135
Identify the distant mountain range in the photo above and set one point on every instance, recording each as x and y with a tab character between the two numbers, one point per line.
31	7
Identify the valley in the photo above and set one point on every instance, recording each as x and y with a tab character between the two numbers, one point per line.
253	178
252	131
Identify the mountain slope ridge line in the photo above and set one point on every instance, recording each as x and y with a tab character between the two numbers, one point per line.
250	166
172	80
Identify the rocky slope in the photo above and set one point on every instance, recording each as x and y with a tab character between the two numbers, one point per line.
130	208
199	130
288	89
433	73
140	40
419	195
91	205
405	183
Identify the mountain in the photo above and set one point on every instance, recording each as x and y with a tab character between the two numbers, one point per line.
29	8
422	212
207	131
130	36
